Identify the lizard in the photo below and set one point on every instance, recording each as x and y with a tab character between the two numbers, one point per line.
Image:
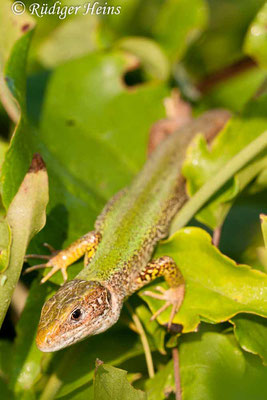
118	252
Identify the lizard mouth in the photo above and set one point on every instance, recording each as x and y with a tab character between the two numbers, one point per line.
46	342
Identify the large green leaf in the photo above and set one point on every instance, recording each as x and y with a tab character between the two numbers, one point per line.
111	383
256	39
216	288
203	162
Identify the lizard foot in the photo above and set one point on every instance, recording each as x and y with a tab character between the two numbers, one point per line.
53	261
172	297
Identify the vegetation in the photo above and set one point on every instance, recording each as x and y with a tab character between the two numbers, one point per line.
84	92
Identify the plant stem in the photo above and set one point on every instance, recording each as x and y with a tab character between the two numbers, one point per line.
218	180
175	357
148	356
217	236
52	387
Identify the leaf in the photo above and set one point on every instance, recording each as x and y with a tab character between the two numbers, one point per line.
6	349
28	361
256	39
216	288
173	24
179	23
233	93
203	162
5	242
26	217
221	43
71	39
12	30
21	143
114	346
251	333
149	53
161	384
212	366
111	383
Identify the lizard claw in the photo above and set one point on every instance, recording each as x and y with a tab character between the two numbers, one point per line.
52	262
172	297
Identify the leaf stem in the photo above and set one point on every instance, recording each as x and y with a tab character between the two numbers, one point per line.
176	366
218	180
139	326
217	236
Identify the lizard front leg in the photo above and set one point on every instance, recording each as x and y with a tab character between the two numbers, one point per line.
61	260
164	266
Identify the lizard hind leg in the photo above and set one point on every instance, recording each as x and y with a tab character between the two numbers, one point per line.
164	266
61	260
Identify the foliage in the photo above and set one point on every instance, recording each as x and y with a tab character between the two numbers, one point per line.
84	92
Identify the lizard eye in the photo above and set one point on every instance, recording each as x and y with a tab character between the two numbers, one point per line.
76	314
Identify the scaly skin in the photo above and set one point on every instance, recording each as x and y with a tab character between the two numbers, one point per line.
129	227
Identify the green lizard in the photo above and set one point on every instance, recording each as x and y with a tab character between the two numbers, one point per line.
118	252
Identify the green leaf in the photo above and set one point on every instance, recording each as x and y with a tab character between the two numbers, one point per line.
251	333
6	349
12	36
20	147
203	162
161	384
114	346
212	366
256	39
5	242
149	53
26	217
216	288
111	383
179	23
233	93
221	44
28	361
71	39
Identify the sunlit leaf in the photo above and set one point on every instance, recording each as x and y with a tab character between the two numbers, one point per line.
216	288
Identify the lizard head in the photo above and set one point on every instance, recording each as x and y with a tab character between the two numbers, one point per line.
77	310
